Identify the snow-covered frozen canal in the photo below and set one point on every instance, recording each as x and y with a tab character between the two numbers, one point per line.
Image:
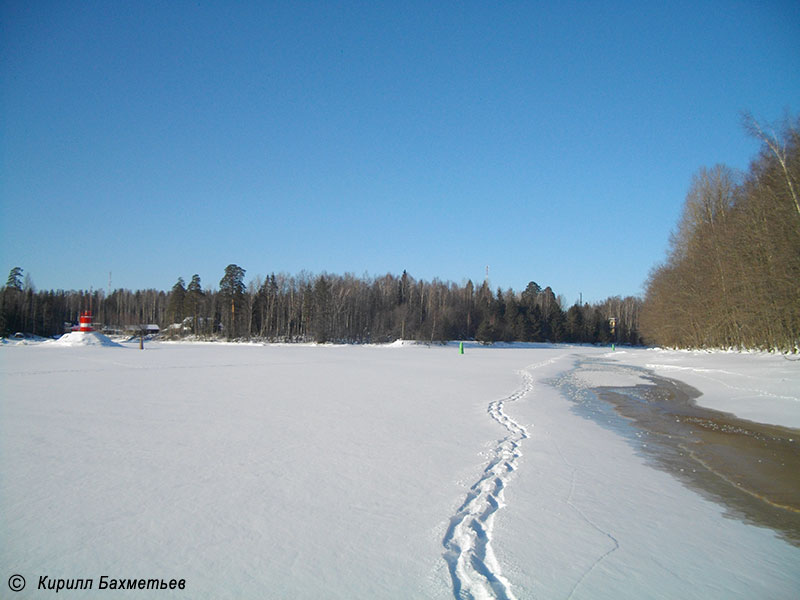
365	472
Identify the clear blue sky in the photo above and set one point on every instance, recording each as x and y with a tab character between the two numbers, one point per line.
552	141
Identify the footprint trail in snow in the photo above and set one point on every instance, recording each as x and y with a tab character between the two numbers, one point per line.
474	569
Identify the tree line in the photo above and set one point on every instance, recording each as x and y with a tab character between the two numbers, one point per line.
732	275
731	279
325	307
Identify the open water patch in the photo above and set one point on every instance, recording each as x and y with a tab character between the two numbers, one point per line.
752	469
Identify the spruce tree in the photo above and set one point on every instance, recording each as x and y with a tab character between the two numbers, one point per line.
574	324
193	301
175	303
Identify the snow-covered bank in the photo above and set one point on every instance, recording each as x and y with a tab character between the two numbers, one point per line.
338	472
758	386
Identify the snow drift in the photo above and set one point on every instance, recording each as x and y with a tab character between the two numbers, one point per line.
84	338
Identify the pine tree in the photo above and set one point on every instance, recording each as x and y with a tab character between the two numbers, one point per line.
531	293
15	279
231	288
11	303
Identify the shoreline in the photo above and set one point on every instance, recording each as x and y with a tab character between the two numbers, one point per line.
752	469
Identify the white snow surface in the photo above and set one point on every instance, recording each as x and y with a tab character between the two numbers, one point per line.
84	338
758	386
364	472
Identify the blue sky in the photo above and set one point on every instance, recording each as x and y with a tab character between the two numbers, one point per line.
551	141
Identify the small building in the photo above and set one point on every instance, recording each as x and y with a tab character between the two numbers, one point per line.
149	329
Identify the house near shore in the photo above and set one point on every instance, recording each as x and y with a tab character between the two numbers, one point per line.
149	329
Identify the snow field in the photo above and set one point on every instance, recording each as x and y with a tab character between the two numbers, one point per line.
350	472
250	471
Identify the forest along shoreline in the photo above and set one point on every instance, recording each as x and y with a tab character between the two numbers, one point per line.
753	469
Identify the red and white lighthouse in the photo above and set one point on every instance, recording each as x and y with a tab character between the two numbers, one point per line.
86	321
